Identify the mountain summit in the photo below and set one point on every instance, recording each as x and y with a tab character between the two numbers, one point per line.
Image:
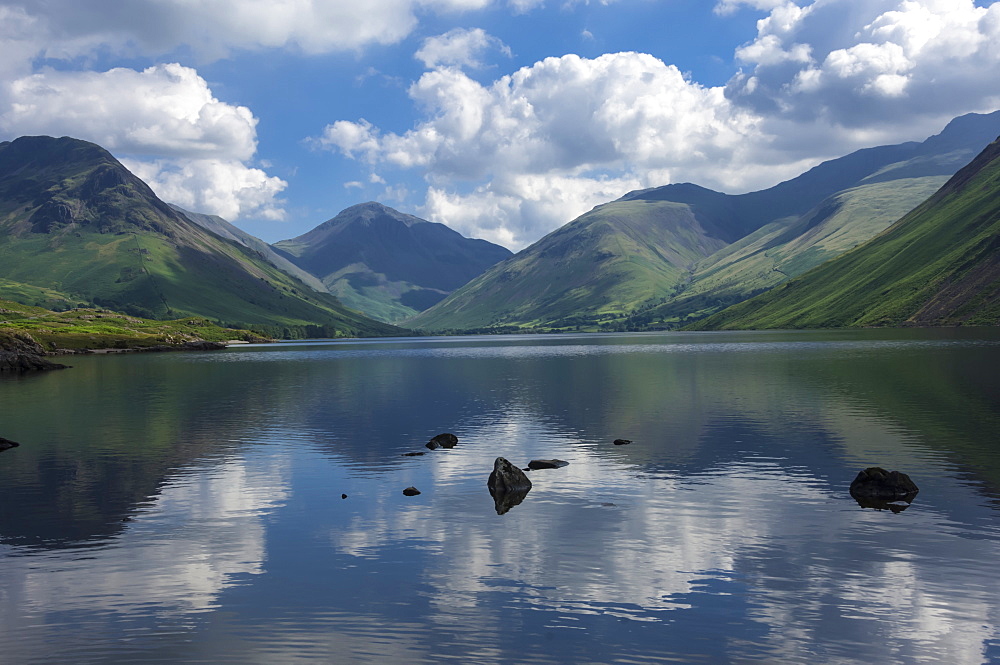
388	264
77	227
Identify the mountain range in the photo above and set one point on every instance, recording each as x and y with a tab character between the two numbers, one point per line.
388	264
939	265
76	227
660	257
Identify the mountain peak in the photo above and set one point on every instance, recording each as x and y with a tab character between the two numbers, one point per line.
372	210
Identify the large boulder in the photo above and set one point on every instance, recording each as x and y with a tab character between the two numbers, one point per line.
508	485
19	352
877	483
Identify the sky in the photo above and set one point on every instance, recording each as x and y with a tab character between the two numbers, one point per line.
503	119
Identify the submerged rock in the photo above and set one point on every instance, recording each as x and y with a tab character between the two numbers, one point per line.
414	454
508	485
411	491
7	444
547	464
622	442
879	484
443	440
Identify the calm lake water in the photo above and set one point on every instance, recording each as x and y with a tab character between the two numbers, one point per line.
186	508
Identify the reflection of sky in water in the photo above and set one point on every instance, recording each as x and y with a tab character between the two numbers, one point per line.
723	534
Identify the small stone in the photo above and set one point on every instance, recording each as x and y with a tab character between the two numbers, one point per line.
622	442
411	491
547	464
508	485
414	454
443	440
343	496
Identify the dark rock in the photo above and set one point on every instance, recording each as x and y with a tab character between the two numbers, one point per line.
411	491
414	454
343	496
547	464
7	444
444	440
622	442
19	352
877	483
508	485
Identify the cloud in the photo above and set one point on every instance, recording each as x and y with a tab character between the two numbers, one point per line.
225	188
213	29
820	79
583	128
459	48
883	62
164	122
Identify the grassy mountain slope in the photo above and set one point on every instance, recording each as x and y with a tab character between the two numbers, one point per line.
612	258
387	264
104	329
74	221
223	228
939	265
754	241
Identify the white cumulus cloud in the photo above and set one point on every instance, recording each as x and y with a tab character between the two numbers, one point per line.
459	48
550	141
191	148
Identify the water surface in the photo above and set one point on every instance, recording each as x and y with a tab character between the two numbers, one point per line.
183	508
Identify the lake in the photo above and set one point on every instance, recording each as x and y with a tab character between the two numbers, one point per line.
187	507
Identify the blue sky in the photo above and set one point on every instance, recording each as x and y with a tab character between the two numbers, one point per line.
501	118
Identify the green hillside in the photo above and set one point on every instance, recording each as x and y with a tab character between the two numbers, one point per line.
661	257
604	263
74	223
388	264
939	265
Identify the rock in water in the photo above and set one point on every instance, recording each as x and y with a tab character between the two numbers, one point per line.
547	464
622	442
7	444
444	440
21	353
877	483
508	485
411	491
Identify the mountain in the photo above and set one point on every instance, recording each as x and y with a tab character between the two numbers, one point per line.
657	257
387	264
225	229
76	224
938	265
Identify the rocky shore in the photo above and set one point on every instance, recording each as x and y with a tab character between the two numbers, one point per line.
21	353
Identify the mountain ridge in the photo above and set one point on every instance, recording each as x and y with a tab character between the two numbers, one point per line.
799	224
75	221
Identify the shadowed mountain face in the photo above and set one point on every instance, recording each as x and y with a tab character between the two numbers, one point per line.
657	257
76	224
388	264
939	265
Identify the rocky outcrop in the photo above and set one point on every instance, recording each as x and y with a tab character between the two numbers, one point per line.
508	485
443	440
19	352
876	483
